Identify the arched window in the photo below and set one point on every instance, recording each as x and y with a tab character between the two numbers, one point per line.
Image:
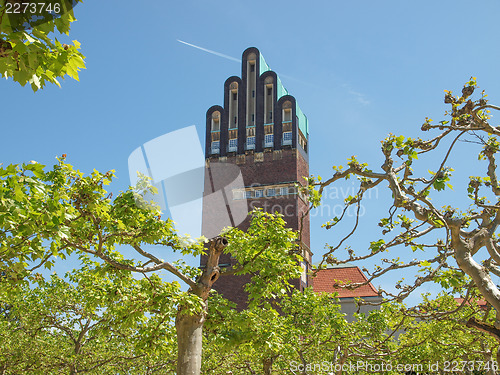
287	123
233	105
269	100
216	121
251	85
215	133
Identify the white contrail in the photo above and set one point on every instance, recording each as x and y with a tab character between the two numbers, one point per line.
238	60
210	51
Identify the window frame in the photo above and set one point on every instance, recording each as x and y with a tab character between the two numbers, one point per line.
268	140
287	138
234	146
250	145
212	147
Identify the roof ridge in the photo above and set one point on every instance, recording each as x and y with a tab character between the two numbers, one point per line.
323	282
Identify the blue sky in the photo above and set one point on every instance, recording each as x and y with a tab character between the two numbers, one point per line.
359	69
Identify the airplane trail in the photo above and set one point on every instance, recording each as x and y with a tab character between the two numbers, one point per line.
209	51
237	60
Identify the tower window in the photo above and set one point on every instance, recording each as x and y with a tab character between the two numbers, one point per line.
269	140
269	91
286	126
270	115
252	67
233	106
215	125
215	147
287	138
253	93
215	121
302	141
250	143
253	117
287	115
233	145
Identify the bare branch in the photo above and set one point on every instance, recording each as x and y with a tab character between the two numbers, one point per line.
160	265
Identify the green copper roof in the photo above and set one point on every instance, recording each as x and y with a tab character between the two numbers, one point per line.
263	65
282	91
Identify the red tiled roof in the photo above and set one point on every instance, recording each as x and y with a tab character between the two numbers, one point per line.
326	278
481	302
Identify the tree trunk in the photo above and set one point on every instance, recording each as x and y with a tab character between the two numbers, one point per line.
189	326
189	342
484	327
343	357
267	366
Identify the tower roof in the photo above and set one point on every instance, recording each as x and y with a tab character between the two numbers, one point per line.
282	91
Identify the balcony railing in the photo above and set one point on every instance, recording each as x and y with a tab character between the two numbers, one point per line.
286	126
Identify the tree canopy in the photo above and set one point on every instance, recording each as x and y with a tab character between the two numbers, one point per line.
98	321
28	52
457	249
116	314
49	214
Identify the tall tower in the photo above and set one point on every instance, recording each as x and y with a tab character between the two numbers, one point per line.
261	130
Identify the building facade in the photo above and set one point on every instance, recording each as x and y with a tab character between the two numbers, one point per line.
262	131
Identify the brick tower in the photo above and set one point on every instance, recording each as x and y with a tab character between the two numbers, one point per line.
261	131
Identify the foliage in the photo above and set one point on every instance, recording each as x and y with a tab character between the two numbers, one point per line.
100	321
32	56
50	214
308	334
297	327
267	252
444	336
46	215
301	329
